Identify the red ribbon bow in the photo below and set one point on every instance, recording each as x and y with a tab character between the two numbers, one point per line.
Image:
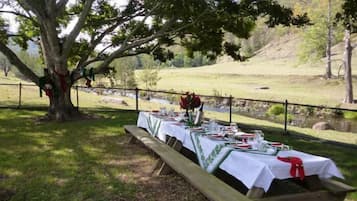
62	80
296	164
88	83
49	93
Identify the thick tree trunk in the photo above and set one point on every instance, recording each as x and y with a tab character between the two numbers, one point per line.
348	70
6	70
61	107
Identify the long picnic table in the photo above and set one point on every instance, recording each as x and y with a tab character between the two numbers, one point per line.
256	171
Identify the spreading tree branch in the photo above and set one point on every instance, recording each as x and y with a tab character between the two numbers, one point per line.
31	6
118	53
18	14
124	18
142	21
14	60
61	5
77	28
95	42
140	51
105	49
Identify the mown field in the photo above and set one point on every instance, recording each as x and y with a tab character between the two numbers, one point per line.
283	78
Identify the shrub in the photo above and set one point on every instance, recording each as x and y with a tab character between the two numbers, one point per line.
275	110
281	117
350	115
218	96
172	98
143	93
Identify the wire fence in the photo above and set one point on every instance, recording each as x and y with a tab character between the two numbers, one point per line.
284	112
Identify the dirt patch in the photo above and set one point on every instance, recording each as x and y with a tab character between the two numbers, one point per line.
3	177
80	116
6	194
158	188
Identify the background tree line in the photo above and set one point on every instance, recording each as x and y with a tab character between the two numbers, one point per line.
313	45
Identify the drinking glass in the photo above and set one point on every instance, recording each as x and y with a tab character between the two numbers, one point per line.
259	135
234	127
212	126
172	112
163	111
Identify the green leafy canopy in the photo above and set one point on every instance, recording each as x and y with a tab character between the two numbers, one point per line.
105	30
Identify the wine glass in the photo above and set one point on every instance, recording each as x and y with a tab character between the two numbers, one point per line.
259	135
234	127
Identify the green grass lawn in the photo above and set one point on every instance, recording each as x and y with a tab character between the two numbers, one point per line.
64	161
88	160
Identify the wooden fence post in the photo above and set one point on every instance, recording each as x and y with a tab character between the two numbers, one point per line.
286	118
137	99
20	86
77	96
230	108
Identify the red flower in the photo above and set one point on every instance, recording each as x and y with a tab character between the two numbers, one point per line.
190	101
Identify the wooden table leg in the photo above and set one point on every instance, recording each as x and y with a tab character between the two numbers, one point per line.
132	140
177	145
255	192
164	168
170	141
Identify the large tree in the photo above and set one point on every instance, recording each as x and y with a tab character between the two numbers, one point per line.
349	19
322	34
74	36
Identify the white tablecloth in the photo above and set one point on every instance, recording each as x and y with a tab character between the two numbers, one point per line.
253	170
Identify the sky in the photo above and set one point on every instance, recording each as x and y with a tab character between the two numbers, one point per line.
14	25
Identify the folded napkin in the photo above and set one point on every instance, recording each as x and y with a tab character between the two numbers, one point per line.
247	135
296	165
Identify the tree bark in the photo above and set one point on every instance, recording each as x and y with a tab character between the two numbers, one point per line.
329	39
348	70
61	107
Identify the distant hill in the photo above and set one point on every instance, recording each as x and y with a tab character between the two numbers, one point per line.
287	48
32	48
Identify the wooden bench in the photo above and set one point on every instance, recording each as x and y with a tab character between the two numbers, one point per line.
215	189
209	185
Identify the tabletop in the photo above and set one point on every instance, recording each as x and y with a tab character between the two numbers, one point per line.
251	168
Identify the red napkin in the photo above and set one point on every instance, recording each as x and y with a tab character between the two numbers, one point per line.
242	146
296	164
247	135
275	143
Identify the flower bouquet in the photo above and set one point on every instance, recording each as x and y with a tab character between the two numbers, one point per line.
190	102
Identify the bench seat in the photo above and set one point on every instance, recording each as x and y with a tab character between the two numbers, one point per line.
215	189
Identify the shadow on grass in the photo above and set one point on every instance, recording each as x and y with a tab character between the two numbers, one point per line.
87	159
64	161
